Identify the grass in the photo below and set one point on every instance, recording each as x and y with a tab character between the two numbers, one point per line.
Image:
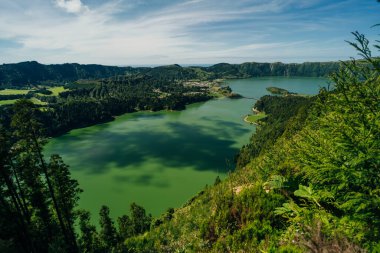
13	92
7	102
253	118
54	90
37	101
57	90
12	101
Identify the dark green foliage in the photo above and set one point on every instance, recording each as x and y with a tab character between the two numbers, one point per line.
66	191
37	198
253	69
107	232
125	227
339	150
89	240
140	221
8	97
110	239
34	73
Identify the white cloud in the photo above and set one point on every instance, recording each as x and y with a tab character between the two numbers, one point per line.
71	6
200	31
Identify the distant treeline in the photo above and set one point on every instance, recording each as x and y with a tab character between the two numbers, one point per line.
34	73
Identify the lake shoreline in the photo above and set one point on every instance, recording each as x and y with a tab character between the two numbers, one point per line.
221	93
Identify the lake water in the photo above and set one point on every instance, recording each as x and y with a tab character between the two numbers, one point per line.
161	159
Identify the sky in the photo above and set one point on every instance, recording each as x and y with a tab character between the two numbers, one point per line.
186	32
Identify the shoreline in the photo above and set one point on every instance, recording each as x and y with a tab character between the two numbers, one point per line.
255	110
114	117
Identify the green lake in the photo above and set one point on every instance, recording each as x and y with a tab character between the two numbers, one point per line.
161	159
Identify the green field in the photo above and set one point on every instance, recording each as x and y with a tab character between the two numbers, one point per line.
12	101
13	92
253	118
37	101
57	90
7	102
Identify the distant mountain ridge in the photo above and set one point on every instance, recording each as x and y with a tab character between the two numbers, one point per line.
34	73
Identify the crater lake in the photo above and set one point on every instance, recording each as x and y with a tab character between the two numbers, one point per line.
162	159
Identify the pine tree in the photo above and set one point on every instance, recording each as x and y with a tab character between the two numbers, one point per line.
108	235
141	221
89	239
67	193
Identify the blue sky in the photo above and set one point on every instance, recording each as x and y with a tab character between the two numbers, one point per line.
154	32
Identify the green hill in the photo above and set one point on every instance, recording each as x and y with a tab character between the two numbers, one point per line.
32	73
307	181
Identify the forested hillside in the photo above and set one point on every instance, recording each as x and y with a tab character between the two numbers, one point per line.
33	73
308	181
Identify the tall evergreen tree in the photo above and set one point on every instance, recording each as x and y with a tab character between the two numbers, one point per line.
28	130
89	239
140	221
67	192
108	235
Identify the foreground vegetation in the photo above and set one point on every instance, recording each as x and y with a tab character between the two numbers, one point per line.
307	181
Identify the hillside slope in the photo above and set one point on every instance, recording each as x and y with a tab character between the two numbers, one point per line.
309	180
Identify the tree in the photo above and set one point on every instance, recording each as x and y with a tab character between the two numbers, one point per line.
88	240
108	235
140	221
338	152
125	227
67	192
28	131
14	216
